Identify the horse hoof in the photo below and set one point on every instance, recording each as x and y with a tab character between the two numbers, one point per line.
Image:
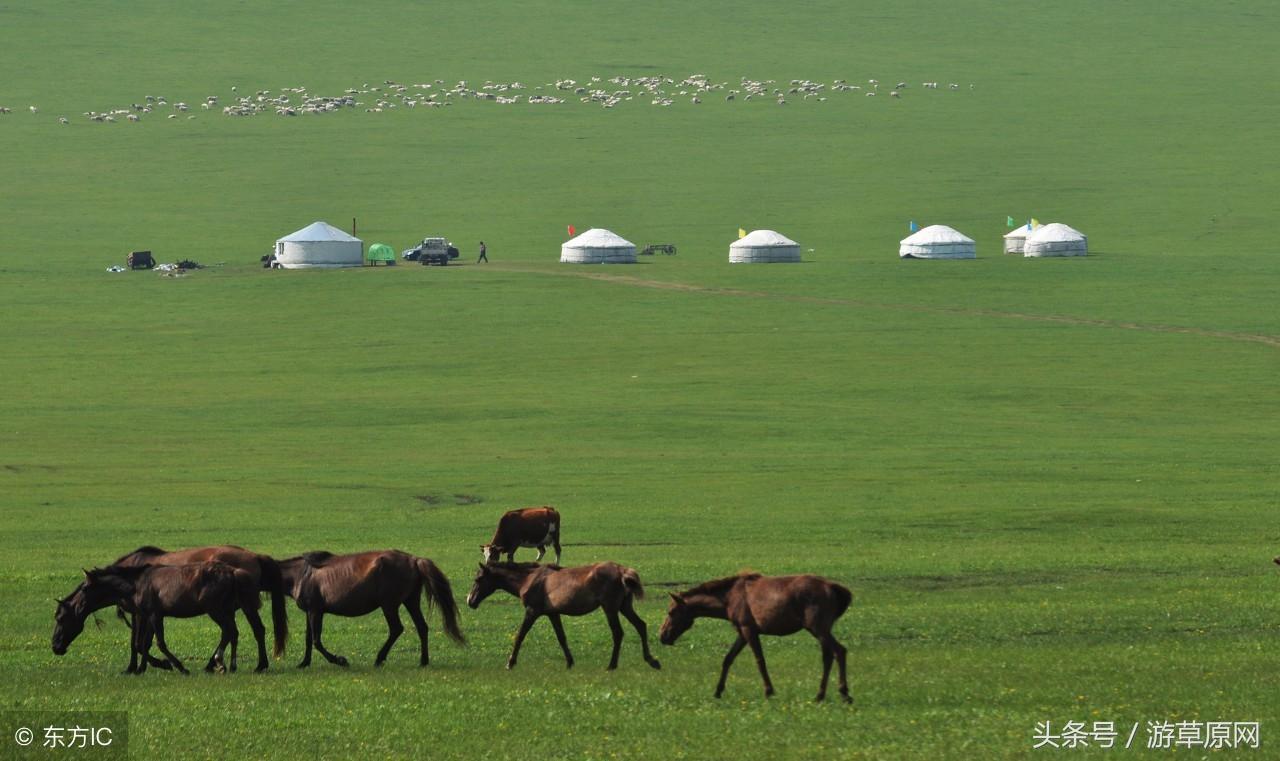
378	664
845	697
304	664
511	665
343	662
717	696
768	693
820	698
260	668
654	663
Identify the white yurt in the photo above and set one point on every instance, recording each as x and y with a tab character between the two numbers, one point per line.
1056	239
762	246
319	245
1014	240
598	246
937	242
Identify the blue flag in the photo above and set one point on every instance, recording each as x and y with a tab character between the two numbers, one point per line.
913	226
1028	224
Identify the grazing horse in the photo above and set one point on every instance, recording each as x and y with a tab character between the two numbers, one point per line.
552	591
264	570
153	592
756	605
356	585
527	527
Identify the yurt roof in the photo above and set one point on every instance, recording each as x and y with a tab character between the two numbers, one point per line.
936	234
758	238
319	231
1022	231
1055	232
598	237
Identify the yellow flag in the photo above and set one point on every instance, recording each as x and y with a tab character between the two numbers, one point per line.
1034	223
741	233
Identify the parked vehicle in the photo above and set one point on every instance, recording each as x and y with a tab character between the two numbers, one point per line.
431	251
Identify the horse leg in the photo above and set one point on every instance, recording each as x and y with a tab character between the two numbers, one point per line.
306	656
529	618
615	626
753	639
259	634
828	655
139	665
734	649
841	651
628	610
414	605
555	542
564	643
317	625
394	629
144	641
216	661
164	647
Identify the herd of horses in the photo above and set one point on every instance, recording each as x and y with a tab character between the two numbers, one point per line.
149	585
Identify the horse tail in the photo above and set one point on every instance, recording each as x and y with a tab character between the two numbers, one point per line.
631	580
272	580
436	588
842	597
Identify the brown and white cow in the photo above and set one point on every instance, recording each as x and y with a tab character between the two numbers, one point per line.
527	527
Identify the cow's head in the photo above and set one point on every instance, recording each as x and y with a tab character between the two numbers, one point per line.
490	552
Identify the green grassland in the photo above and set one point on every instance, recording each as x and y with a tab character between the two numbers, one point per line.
1050	484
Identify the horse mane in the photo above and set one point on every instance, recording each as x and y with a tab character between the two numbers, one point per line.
318	558
718	587
526	566
148	550
126	571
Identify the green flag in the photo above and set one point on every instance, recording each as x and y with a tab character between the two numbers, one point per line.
1009	221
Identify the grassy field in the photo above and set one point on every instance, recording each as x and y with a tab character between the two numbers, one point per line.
1051	485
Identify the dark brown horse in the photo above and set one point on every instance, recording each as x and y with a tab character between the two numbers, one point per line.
263	569
359	584
756	605
552	591
151	593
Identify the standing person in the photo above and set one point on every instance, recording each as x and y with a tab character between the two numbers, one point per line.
483	254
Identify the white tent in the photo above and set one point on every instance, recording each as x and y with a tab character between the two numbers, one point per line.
598	246
1056	239
937	242
1017	238
319	245
764	246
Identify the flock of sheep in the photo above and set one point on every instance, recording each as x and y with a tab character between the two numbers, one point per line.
390	95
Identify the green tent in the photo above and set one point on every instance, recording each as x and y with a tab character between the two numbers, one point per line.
381	252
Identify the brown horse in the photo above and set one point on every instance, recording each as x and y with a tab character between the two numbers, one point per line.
356	585
552	591
263	569
151	593
756	605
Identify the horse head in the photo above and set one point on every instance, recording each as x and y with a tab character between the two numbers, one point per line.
483	586
678	621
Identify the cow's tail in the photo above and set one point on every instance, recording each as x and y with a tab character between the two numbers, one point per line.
272	581
842	597
436	588
631	580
